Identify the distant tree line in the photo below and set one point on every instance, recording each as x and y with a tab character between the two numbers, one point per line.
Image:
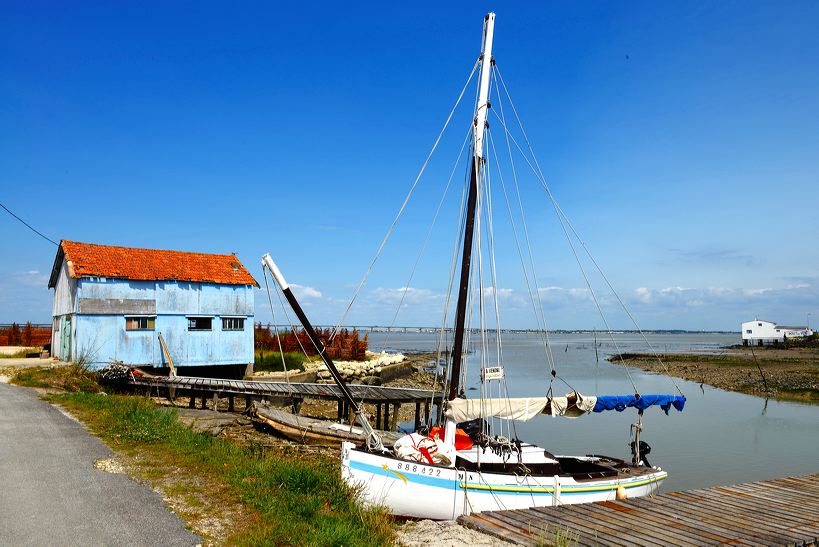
29	335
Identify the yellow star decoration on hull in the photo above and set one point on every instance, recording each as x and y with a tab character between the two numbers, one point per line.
385	467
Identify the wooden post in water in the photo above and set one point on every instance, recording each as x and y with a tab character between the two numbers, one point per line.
596	355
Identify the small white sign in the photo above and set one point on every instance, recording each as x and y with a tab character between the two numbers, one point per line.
492	373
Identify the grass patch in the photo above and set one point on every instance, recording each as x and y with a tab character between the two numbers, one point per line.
74	378
292	501
559	537
272	360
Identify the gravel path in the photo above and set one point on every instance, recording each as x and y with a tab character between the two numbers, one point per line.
52	494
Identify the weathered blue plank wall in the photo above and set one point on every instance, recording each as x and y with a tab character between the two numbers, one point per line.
103	337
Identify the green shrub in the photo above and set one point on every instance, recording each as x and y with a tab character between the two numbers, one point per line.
272	361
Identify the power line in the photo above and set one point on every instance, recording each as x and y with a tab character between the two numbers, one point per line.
29	226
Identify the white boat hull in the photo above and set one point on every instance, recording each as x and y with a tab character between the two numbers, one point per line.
418	490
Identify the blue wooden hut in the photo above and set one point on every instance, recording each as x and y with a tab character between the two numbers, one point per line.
112	303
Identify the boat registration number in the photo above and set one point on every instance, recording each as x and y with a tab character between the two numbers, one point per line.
421	469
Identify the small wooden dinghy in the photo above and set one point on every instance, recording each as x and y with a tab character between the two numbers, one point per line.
311	430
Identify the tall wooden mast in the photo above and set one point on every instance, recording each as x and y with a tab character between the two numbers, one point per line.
478	132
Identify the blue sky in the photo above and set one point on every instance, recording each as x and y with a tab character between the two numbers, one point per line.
682	139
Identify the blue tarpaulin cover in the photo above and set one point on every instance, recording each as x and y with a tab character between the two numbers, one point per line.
640	402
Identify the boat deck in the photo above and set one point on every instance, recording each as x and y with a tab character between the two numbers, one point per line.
774	512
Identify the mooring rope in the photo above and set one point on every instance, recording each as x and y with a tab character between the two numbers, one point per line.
404	205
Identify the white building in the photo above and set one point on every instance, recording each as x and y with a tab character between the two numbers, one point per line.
762	332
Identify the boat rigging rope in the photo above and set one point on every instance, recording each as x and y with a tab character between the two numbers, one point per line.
478	288
593	295
426	240
539	174
273	318
404	205
582	243
503	388
450	285
293	328
620	300
539	318
561	214
539	307
373	439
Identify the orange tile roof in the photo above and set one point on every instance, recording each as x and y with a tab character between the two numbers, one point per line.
92	260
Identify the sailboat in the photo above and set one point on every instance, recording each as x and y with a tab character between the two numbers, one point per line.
445	472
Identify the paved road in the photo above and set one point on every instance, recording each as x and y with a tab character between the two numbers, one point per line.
50	493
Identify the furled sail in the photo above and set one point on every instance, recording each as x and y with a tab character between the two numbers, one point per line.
520	409
570	406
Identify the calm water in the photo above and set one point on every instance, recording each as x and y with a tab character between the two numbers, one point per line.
720	437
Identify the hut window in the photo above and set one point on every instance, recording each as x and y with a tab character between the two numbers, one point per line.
233	323
200	323
140	323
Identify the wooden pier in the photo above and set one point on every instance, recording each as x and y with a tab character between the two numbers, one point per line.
774	512
387	400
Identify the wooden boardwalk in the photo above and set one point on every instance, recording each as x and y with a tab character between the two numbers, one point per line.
286	389
387	400
775	512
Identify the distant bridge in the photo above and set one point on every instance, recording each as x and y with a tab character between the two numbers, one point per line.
394	328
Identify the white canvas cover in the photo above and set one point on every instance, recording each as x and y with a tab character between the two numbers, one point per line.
419	448
520	409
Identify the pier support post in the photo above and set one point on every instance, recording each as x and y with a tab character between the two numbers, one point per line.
386	416
231	407
417	415
394	417
215	401
378	416
192	403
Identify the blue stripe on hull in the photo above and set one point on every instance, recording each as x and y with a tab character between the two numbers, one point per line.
448	484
